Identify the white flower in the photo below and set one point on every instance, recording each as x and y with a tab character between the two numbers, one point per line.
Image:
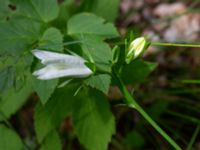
60	65
136	48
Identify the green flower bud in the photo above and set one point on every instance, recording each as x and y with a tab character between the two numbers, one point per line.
136	49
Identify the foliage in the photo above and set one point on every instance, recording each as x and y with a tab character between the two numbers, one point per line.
31	25
10	140
64	27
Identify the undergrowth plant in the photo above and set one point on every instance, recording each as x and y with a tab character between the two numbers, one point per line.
79	54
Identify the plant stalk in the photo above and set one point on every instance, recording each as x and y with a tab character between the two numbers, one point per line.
130	101
175	44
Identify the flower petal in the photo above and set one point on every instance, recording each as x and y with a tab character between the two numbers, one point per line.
52	57
52	72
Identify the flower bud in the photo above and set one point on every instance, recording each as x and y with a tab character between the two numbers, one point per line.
136	49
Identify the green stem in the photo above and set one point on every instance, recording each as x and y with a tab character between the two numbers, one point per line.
194	136
130	101
71	42
175	44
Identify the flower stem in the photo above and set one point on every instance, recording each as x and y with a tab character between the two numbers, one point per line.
130	101
175	44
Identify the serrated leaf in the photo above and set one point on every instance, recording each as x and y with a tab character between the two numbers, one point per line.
91	115
13	99
52	39
44	10
18	34
7	77
49	116
137	71
99	51
86	23
91	31
43	116
100	82
13	71
9	139
51	142
44	88
16	83
22	68
93	122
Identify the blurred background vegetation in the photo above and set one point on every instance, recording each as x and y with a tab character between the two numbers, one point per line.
170	94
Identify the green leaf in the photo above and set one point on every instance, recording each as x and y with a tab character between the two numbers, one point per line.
52	39
137	71
91	31
93	122
13	99
45	88
13	71
43	116
4	10
22	70
7	77
52	142
44	10
98	50
9	139
100	82
91	115
104	8
18	34
86	23
49	116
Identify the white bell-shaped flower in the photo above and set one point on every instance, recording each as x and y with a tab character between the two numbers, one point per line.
60	65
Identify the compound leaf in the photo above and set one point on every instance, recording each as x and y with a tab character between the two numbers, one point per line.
100	82
86	23
93	122
44	10
52	39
